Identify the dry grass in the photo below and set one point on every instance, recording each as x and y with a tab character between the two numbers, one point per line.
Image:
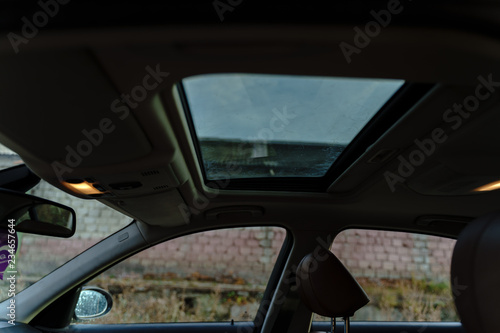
406	300
171	307
411	300
154	301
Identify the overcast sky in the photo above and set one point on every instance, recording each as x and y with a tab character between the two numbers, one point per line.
6	151
322	110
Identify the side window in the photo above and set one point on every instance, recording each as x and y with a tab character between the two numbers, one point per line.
210	276
406	275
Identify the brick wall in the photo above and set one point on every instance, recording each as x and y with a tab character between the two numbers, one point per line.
247	254
386	254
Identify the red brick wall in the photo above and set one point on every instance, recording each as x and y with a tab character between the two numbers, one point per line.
386	254
250	254
247	253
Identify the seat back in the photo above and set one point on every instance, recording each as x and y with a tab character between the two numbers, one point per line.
327	287
475	274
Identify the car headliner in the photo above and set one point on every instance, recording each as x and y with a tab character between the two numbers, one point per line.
66	79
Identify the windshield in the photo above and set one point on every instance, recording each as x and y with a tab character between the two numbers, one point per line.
37	256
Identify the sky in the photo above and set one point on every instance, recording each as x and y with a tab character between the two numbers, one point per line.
284	108
6	151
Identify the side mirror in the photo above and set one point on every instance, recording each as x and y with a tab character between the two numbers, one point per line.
33	215
92	303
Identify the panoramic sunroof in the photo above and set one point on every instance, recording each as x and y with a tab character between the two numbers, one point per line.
259	126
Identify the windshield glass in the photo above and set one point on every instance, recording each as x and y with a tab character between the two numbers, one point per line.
37	256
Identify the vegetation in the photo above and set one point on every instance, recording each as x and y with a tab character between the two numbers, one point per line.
151	299
406	300
195	299
414	300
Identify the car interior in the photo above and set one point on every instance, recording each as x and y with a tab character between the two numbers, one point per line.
99	103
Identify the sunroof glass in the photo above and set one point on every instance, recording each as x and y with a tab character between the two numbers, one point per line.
255	125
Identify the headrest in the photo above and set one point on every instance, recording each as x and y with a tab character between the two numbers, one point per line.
475	274
327	287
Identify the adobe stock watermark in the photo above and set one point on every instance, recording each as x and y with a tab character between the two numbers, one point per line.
31	26
121	108
223	6
372	29
11	272
277	124
455	116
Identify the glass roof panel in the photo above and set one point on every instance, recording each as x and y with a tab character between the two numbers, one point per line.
261	125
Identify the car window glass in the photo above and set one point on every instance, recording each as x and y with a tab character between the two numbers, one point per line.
209	276
406	275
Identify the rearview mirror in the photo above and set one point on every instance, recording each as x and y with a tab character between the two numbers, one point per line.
33	215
